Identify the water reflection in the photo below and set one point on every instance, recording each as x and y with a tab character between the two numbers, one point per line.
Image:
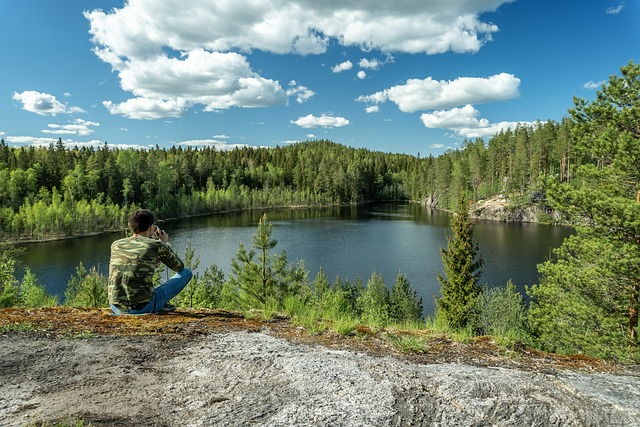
348	242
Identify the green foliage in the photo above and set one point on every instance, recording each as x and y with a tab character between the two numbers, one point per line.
296	305
502	313
33	294
333	301
581	302
268	280
87	289
589	298
344	325
208	293
228	296
437	323
374	302
459	286
404	302
345	296
408	343
270	309
311	319
18	327
9	292
187	296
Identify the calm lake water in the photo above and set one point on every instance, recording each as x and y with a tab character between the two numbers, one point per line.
349	242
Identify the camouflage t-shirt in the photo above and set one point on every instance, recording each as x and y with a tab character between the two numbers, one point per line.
133	263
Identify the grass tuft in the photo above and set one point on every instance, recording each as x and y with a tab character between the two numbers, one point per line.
18	327
408	343
345	325
71	422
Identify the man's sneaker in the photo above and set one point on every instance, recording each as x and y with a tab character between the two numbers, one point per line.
168	308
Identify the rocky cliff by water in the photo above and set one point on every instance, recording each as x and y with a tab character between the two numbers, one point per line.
501	209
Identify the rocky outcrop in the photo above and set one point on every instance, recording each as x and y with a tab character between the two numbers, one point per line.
431	201
251	378
501	210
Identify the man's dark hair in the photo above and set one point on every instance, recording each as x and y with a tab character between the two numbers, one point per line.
140	220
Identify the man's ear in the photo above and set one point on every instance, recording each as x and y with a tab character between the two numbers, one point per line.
149	230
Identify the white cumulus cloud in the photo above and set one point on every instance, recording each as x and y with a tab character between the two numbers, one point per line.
464	122
43	104
343	66
147	109
78	127
429	94
372	64
172	57
302	93
311	121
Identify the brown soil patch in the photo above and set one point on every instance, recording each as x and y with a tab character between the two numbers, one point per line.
68	322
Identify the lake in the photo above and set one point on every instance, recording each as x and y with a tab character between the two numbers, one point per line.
348	242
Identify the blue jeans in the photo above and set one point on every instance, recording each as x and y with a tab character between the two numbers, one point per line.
161	294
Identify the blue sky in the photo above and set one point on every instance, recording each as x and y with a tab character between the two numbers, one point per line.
406	77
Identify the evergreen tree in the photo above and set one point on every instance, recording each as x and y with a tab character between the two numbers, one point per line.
346	295
462	268
186	297
208	294
92	184
597	274
580	305
9	291
374	302
33	294
405	304
269	280
87	289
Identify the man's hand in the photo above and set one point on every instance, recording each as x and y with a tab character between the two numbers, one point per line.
162	235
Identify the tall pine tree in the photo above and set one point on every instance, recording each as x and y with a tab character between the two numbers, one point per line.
462	268
588	299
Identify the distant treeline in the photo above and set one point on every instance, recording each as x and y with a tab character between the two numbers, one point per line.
56	191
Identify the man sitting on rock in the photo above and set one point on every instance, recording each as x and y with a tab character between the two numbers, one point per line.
133	264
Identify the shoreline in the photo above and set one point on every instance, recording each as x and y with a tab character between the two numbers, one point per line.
474	208
160	221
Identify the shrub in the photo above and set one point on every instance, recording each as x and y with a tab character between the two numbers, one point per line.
187	296
33	294
374	302
87	289
8	282
9	294
405	304
502	313
209	288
